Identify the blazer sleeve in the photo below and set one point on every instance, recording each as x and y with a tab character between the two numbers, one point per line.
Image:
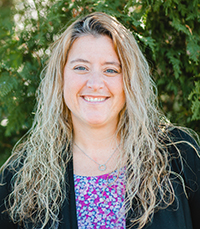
189	169
5	189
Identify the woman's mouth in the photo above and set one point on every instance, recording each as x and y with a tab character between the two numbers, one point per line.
94	99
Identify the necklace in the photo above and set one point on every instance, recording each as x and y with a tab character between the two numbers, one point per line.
102	167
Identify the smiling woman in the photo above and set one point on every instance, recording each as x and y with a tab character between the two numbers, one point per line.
100	154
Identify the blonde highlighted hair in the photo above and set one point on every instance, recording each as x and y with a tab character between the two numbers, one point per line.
40	161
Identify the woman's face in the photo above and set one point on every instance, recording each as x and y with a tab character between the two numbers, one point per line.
93	85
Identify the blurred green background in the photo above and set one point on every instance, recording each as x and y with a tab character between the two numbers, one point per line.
168	32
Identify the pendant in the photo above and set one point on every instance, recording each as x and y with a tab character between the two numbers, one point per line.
102	167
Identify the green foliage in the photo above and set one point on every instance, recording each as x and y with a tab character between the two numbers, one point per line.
195	98
168	32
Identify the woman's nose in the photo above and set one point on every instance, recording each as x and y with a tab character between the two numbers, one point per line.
95	81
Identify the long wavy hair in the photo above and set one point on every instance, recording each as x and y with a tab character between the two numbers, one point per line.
39	162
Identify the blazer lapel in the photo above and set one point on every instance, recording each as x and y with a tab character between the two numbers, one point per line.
68	218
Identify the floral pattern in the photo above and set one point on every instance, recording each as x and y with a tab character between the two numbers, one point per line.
99	200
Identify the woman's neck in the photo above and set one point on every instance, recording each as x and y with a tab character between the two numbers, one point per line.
94	137
94	146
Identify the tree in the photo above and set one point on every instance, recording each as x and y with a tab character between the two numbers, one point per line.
168	32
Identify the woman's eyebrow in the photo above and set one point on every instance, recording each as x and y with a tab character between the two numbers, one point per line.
79	60
113	63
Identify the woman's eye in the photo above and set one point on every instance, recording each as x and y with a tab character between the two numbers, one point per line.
111	71
80	68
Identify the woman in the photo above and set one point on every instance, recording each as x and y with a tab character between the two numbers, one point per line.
100	154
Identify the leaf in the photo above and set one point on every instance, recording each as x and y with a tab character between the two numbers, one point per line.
174	60
7	83
195	98
193	50
148	41
180	27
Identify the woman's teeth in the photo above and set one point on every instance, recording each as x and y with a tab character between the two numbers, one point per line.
95	99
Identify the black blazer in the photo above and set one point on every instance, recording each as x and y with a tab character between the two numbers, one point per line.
184	213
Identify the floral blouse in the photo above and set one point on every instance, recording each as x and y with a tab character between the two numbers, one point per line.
99	200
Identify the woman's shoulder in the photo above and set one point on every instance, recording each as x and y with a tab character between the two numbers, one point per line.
7	174
181	140
178	134
184	154
5	189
